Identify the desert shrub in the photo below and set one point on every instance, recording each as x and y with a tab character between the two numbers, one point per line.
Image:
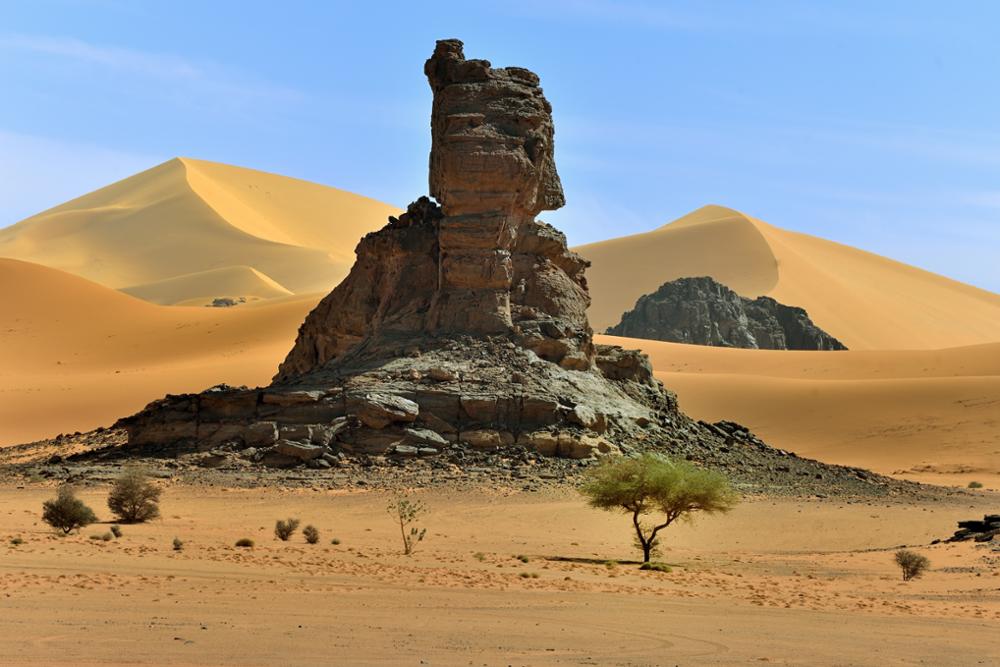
406	512
178	545
95	536
911	563
107	537
656	567
311	533
335	541
480	556
244	542
133	498
975	485
16	542
522	558
116	531
652	483
284	529
67	512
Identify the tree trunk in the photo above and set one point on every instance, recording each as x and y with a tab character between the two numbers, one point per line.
646	548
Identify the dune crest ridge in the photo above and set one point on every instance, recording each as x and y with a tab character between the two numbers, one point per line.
188	217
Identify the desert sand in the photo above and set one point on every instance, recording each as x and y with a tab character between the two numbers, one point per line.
775	582
927	415
75	355
187	229
866	301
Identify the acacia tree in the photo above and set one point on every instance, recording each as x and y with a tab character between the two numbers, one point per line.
407	512
67	512
133	498
655	484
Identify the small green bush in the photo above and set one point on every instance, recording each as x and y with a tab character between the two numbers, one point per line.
16	542
335	541
911	563
244	542
975	485
133	498
407	513
178	545
480	556
67	512
311	533
656	567
528	575
522	558
116	531
284	529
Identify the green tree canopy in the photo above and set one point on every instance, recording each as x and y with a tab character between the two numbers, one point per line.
652	484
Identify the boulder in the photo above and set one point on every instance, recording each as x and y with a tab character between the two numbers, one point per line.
378	410
298	450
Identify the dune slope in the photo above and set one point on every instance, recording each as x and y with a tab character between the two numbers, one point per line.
867	301
75	355
187	217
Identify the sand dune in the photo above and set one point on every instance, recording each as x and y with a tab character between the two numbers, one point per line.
932	413
75	355
198	289
187	217
867	301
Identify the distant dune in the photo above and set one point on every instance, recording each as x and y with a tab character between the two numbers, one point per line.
867	301
169	232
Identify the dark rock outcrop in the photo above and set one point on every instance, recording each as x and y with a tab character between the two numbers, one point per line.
702	311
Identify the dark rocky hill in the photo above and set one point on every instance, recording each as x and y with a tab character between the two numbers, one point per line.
702	311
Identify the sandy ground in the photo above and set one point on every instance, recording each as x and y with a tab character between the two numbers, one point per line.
775	582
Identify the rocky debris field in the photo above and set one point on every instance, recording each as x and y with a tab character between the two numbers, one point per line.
977	531
754	467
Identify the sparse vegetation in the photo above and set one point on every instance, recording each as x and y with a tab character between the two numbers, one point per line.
528	575
283	529
975	485
480	556
407	512
335	541
16	542
133	498
178	544
244	542
67	512
522	558
107	537
311	533
653	483
911	563
116	531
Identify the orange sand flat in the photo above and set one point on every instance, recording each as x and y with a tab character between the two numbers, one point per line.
188	229
931	414
867	301
775	582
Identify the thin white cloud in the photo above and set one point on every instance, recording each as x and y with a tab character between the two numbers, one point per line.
204	76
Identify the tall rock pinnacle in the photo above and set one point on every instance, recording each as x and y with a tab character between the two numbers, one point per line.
476	262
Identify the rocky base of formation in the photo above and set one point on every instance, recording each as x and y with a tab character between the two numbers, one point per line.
701	311
977	531
409	398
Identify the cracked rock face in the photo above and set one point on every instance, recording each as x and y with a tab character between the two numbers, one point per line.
476	262
462	323
701	311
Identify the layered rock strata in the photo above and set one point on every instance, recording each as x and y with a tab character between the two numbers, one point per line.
462	323
701	311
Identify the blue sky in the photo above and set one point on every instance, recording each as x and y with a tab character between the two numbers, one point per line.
872	124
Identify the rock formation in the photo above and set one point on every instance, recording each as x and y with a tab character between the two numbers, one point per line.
702	311
461	325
